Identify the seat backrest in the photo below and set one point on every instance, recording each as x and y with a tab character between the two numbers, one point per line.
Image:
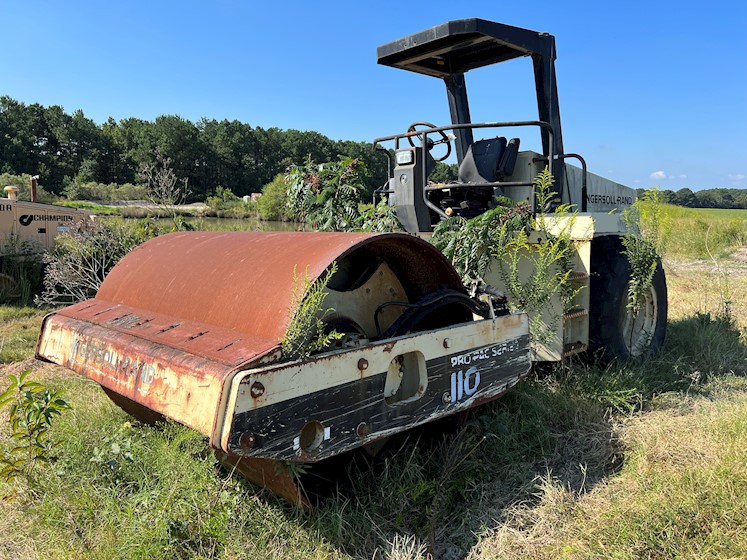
508	159
481	162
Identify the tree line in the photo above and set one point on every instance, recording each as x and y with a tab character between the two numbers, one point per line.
69	150
707	198
64	149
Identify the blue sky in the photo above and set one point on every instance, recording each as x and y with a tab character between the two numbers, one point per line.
651	93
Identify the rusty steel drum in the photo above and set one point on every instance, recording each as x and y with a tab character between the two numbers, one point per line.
184	311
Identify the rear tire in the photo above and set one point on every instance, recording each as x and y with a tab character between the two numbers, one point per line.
614	332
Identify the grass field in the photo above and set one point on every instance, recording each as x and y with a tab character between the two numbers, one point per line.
702	233
644	460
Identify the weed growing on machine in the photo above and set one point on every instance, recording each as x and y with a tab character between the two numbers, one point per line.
502	235
306	333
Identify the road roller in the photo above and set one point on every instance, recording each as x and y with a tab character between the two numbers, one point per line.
191	325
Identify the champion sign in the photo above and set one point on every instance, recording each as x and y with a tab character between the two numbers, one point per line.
26	219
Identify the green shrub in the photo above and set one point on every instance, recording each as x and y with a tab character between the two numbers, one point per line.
225	204
327	195
273	204
32	408
102	192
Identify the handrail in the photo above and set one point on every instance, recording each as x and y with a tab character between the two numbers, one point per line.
584	172
423	134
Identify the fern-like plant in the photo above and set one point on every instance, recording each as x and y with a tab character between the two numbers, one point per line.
306	333
500	237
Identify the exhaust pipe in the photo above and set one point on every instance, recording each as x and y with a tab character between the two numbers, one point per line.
33	187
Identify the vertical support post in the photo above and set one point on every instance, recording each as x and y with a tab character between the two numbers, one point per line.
33	187
456	89
549	111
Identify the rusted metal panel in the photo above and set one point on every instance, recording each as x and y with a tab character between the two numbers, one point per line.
181	313
182	386
273	475
215	343
245	280
268	409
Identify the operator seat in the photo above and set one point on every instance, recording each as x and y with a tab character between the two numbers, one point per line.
480	163
489	160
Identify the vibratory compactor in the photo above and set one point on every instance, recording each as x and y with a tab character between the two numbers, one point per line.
194	326
189	326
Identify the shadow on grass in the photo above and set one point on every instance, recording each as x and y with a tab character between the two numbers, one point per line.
448	490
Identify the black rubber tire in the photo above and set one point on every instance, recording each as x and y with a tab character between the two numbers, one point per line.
608	303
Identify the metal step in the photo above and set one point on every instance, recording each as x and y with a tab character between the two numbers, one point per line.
575	313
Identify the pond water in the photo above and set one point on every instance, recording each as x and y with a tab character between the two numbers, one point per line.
238	224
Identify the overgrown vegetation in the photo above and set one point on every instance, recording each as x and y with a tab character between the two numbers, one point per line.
82	258
642	247
636	460
534	263
32	408
329	197
306	333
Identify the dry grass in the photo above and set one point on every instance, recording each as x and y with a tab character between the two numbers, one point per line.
681	494
682	491
704	286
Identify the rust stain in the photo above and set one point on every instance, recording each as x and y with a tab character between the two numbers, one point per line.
273	475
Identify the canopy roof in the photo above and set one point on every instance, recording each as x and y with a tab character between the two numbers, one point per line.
457	46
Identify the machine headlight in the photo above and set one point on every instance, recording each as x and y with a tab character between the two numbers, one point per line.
404	157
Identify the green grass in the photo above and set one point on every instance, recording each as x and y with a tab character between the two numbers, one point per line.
19	329
99	209
702	233
641	460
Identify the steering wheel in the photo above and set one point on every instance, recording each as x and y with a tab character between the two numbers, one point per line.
413	131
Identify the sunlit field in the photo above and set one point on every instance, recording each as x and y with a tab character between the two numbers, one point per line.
642	460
